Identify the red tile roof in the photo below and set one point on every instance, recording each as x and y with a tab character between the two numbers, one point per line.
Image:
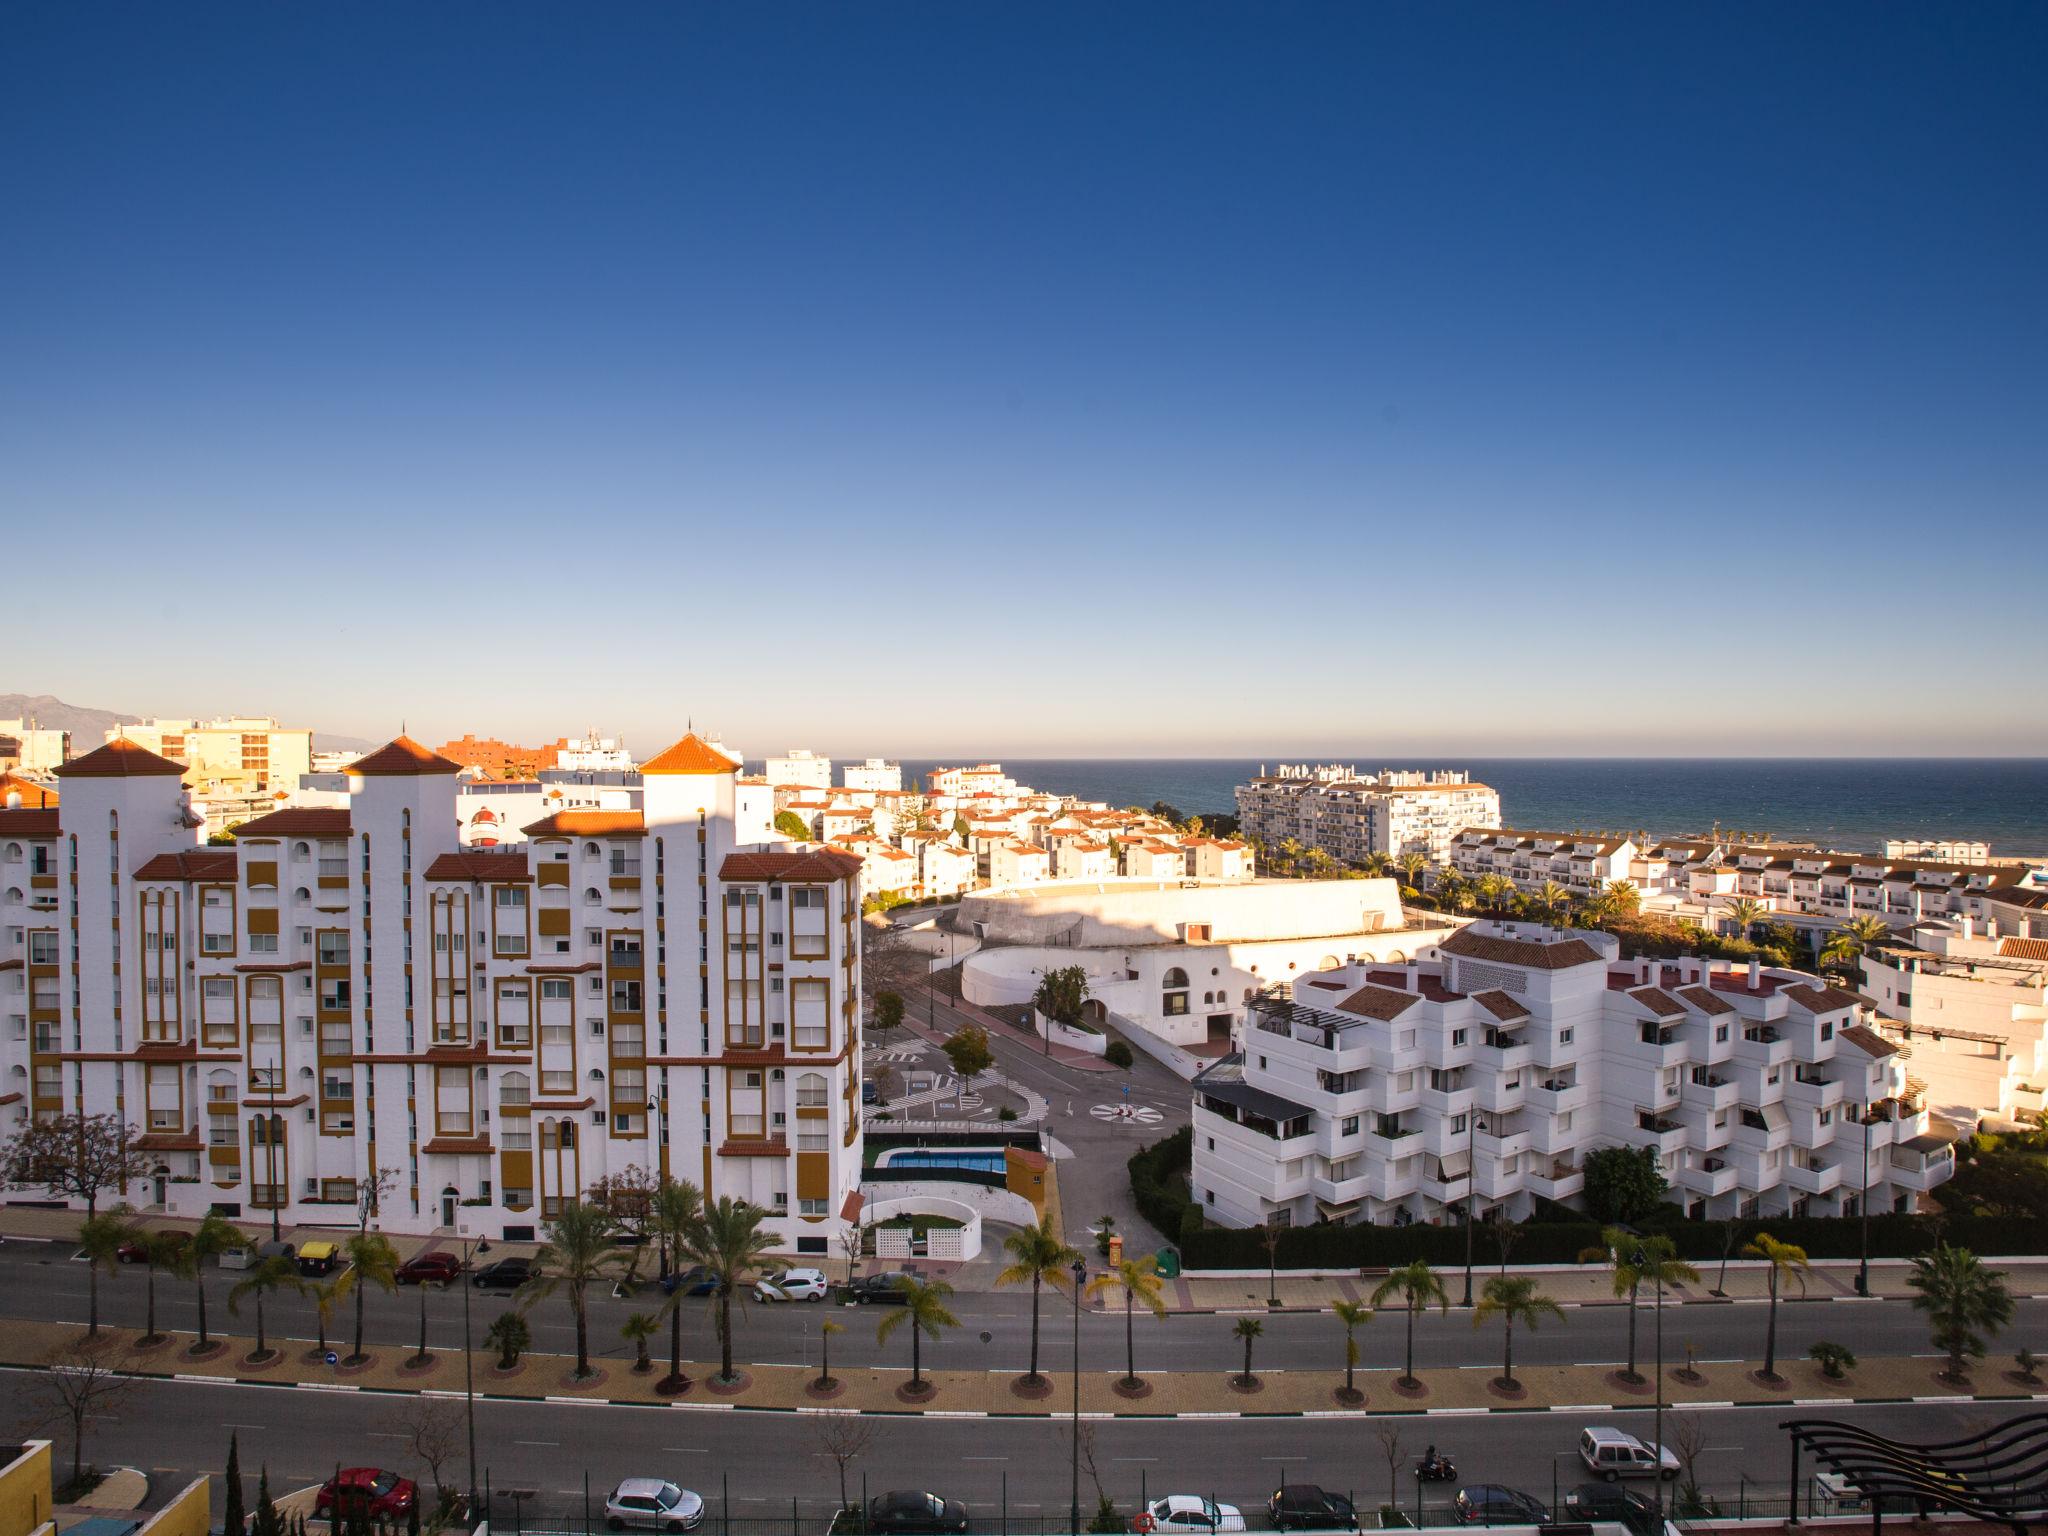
588	824
300	821
2023	949
35	824
693	754
120	759
1820	999
1500	1005
1524	952
402	756
499	867
1870	1040
1704	1000
1378	1003
808	865
204	864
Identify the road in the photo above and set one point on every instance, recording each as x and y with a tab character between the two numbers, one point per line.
44	1283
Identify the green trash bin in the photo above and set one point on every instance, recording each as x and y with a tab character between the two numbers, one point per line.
1169	1263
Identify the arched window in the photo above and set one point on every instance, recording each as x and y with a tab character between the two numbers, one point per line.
592	851
515	1088
591	898
14	853
811	1091
1173	992
301	896
301	852
1328	963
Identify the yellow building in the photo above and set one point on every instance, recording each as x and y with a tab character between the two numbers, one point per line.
228	757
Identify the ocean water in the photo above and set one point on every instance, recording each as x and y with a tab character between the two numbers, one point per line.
1847	803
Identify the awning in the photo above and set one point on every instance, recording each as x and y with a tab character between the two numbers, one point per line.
1454	1165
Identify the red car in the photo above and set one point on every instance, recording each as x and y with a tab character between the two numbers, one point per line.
134	1252
387	1495
430	1269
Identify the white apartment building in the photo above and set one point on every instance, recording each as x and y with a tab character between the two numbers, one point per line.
1944	850
228	757
1582	862
1816	883
962	783
799	768
944	868
592	753
26	746
1486	1070
1351	816
348	988
872	774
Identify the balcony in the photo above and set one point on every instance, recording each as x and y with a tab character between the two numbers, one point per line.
1556	1094
1712	1176
1762	1129
1656	1128
1922	1163
1819	1176
1662	1044
1559	1181
1504	1138
1810	1090
1506	1050
1502	1093
1708	1091
1762	1046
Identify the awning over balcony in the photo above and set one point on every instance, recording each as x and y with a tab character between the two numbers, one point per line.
1268	1106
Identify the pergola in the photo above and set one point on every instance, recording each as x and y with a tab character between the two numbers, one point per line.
2000	1476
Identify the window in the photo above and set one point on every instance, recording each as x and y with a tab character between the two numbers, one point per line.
1720	1034
1827	1031
1564	1037
625	997
1458	1036
333	949
810	1207
810	1014
556	989
1346	1127
42	947
811	1091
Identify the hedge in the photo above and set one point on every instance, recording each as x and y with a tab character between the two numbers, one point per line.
1159	1186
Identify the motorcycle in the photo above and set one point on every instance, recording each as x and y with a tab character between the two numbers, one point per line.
1435	1469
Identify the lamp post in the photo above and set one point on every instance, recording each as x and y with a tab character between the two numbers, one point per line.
1471	1149
1657	1419
470	1250
1074	1428
1863	1211
270	1129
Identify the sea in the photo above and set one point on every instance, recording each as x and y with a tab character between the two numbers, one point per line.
1853	804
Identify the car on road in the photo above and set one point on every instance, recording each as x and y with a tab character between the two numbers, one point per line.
1305	1507
1609	1453
383	1495
653	1504
1492	1504
442	1269
249	1255
318	1257
1609	1501
136	1249
886	1286
1189	1514
916	1513
870	1094
792	1285
694	1281
505	1275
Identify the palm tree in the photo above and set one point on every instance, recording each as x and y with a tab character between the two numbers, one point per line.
100	1239
1552	899
274	1273
728	1241
1452	891
1413	867
1376	865
1963	1301
825	1331
1513	1298
637	1329
510	1335
1847	943
924	1308
1138	1280
159	1251
1638	1261
1787	1261
1624	898
1247	1329
1745	913
212	1237
327	1295
371	1261
1353	1315
1492	890
578	1250
1417	1285
678	1206
1037	1255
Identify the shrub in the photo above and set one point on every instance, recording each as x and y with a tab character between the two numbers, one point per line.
1119	1054
1834	1360
1159	1182
1006	1113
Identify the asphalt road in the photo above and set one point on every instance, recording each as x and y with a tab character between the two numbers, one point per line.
43	1282
178	1430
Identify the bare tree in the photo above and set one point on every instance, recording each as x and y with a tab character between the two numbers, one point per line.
845	1437
851	1240
1506	1233
371	1193
434	1432
74	1393
1687	1435
79	1157
1388	1432
1089	1463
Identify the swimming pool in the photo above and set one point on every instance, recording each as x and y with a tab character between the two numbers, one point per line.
980	1159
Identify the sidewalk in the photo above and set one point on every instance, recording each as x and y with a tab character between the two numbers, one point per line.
35	1224
1001	1031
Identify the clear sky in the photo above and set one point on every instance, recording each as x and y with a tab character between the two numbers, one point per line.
1047	380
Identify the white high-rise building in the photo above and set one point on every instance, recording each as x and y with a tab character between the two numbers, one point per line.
799	767
1352	816
874	774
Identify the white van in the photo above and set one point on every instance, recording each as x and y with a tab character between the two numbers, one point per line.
1613	1455
246	1256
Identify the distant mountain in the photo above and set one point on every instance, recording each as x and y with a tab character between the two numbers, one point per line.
89	727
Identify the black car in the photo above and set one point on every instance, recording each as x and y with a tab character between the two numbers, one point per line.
505	1275
912	1511
885	1287
694	1281
1609	1501
1305	1507
1491	1504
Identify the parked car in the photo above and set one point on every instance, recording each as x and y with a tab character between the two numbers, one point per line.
652	1504
1492	1504
318	1257
386	1495
504	1275
792	1285
886	1287
442	1269
870	1094
1305	1507
136	1251
1611	1454
250	1254
912	1511
1607	1501
1188	1514
694	1281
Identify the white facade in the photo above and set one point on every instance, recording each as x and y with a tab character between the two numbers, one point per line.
799	768
1352	816
32	749
593	753
875	773
1582	862
1490	1068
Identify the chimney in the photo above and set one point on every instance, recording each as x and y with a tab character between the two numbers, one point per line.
14	799
1756	976
1643	968
1968	925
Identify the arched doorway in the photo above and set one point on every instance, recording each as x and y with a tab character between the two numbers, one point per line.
449	1196
160	1176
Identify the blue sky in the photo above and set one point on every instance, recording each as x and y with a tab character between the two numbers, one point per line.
1036	379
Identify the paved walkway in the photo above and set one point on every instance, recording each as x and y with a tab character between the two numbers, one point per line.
1065	1055
959	1393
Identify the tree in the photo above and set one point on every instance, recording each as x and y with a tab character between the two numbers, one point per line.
792	826
924	1308
578	1250
75	1393
637	1329
1731	1239
274	1273
1118	1054
268	1522
888	1011
1623	1184
1376	864
1846	944
1412	866
1552	900
433	1429
1787	1261
1388	1432
511	1337
1745	912
100	1238
967	1049
1247	1329
1418	1287
212	1237
1353	1315
1963	1301
826	1329
371	1261
1637	1261
327	1294
232	1517
1513	1299
371	1193
1138	1281
1061	994
1834	1360
728	1241
845	1437
75	1157
627	1197
159	1251
678	1207
1037	1254
1623	899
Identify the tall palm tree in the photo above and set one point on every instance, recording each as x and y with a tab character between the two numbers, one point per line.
1247	1329
1624	898
159	1251
1418	1287
1036	1256
1963	1301
275	1273
1377	864
924	1308
1413	867
1847	943
1137	1280
678	1206
578	1250
1553	899
1452	891
1513	1299
211	1238
100	1238
1639	1261
1745	912
326	1295
371	1261
1788	1262
1353	1315
728	1241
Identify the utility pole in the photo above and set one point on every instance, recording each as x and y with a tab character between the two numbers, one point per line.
1074	1492
1863	1211
1471	1149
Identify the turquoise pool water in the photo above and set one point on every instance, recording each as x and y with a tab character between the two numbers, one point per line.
980	1159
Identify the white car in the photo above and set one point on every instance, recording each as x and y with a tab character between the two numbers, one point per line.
792	1285
1190	1515
1611	1454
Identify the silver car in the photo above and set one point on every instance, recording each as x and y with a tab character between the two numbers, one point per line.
651	1504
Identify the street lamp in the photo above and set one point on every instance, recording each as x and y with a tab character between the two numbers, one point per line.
270	1130
1074	1448
470	1250
1471	1149
1863	1210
